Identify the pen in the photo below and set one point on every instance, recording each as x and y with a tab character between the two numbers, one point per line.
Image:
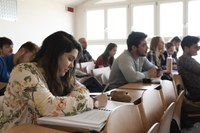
107	85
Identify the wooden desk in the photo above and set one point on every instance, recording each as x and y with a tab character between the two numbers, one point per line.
30	128
139	86
68	129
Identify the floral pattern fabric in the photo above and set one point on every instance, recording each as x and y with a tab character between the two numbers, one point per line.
27	97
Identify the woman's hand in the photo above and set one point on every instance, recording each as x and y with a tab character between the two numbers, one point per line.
101	100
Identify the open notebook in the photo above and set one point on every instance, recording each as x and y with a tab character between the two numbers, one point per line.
93	120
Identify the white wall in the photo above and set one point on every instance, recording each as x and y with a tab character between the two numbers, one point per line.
36	20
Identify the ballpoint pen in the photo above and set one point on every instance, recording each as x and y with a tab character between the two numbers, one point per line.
107	85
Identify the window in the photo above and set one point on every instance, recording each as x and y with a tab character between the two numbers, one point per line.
8	10
116	23
95	25
193	18
171	19
143	19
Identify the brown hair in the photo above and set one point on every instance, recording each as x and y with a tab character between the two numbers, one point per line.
52	48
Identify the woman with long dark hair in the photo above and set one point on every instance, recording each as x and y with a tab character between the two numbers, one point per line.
47	86
107	58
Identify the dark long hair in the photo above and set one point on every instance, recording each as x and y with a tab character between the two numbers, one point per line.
106	54
52	48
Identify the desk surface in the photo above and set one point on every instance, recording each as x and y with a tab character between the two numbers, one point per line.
30	128
139	86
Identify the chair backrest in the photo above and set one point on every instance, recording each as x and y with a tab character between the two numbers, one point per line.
87	66
151	107
178	82
177	108
125	119
102	74
165	122
154	128
168	92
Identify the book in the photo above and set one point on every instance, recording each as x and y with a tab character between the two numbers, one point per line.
92	120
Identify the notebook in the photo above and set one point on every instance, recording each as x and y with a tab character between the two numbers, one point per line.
93	120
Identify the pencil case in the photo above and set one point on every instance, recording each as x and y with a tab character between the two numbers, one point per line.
121	96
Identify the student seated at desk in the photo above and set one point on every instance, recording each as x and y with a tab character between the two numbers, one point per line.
107	58
132	65
47	86
6	46
86	56
7	62
170	51
189	69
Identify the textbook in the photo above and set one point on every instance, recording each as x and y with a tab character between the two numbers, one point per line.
93	120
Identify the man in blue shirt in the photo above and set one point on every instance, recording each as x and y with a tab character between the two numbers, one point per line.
25	54
6	66
6	46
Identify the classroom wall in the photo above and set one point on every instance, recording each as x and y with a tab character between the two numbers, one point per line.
36	20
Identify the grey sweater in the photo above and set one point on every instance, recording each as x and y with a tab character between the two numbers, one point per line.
125	69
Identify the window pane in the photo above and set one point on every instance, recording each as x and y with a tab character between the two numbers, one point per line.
143	19
117	23
96	50
95	24
171	19
193	18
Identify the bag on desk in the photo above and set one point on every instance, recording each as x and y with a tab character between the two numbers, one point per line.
121	96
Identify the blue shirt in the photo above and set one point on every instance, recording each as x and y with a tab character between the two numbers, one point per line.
6	66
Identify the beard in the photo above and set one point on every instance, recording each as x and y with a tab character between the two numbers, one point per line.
142	53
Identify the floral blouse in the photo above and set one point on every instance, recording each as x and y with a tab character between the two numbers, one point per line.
27	97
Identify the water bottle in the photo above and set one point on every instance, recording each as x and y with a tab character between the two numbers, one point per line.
169	64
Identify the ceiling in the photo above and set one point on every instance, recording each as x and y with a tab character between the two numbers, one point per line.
78	2
73	2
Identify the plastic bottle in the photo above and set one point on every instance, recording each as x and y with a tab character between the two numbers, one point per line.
169	64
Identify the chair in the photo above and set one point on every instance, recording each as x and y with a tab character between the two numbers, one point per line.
166	119
151	107
154	128
178	81
102	74
87	66
125	119
168	92
177	108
